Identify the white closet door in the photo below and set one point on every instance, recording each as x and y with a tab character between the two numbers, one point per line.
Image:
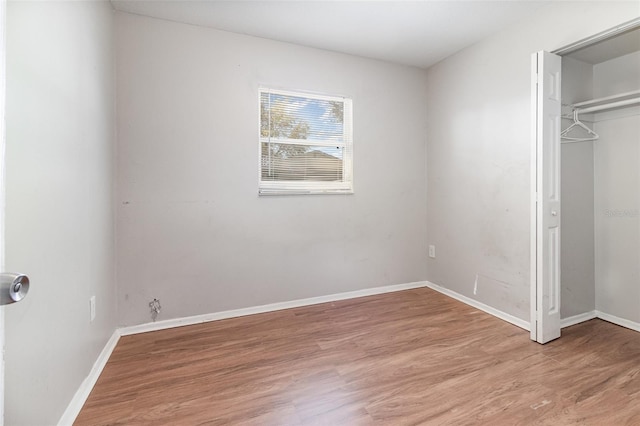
547	211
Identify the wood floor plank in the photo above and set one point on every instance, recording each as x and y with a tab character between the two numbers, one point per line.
410	357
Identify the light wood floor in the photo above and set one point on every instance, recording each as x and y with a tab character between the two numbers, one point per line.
411	357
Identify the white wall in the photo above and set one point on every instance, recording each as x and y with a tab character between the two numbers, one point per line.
617	200
478	151
191	229
578	232
59	218
577	251
617	76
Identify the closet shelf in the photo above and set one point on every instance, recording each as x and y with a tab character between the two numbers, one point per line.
607	102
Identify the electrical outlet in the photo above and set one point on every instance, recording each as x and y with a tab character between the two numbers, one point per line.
432	251
92	308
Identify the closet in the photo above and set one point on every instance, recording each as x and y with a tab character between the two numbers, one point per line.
600	182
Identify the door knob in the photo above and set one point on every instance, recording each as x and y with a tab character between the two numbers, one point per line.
13	287
554	213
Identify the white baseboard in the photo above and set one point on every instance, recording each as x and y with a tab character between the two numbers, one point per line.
479	305
577	319
81	395
197	319
618	321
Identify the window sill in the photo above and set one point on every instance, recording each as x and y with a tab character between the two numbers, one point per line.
268	192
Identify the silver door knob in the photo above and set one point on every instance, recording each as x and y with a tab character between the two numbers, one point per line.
13	287
554	213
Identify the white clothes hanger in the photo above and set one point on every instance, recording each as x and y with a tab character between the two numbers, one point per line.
592	136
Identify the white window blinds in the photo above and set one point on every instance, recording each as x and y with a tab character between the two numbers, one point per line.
306	144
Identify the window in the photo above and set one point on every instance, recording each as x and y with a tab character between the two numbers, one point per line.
306	144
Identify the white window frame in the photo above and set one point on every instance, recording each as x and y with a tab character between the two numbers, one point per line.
310	187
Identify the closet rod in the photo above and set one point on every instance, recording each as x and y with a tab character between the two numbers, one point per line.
609	106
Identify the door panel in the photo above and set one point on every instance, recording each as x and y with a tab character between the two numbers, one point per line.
547	141
3	55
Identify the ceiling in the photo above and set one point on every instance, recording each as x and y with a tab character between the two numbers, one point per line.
417	33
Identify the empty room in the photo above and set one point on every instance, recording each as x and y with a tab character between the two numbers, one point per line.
320	212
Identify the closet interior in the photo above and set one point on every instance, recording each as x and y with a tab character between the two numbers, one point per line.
600	178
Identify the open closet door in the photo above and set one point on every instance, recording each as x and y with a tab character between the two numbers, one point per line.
545	302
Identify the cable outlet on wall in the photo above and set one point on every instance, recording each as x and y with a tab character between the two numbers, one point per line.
432	251
92	308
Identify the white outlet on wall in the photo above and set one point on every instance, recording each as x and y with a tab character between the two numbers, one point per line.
92	308
432	251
